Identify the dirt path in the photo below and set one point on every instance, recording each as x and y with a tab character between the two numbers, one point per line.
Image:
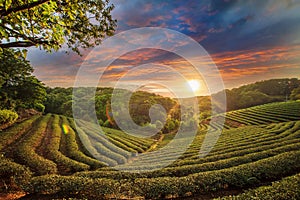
42	148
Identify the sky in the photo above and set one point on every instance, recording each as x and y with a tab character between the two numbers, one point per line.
243	41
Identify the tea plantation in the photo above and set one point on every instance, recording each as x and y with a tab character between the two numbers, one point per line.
257	156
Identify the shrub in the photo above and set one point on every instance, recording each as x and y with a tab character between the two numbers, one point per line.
39	107
67	186
287	188
7	117
52	151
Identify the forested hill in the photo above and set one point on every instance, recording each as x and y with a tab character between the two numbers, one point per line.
262	92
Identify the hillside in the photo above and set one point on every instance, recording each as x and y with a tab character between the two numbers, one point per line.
257	115
59	101
261	92
249	95
44	157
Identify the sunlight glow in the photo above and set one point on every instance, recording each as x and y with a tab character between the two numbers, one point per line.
194	85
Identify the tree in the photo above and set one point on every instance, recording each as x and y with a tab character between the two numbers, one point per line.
13	70
18	87
59	101
29	93
51	23
295	95
170	126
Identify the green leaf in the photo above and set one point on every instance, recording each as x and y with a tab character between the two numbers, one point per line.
68	22
24	52
7	4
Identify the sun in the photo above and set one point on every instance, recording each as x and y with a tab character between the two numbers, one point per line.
194	85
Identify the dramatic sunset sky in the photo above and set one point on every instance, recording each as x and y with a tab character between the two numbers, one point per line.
248	41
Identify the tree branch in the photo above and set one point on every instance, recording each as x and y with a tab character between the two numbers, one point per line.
16	44
23	44
22	7
17	33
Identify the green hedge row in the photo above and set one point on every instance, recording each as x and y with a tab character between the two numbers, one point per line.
101	139
145	142
65	164
138	144
12	133
246	175
196	168
66	186
253	149
287	188
81	146
13	176
72	148
241	176
224	149
270	138
25	151
93	151
288	134
239	138
129	144
110	154
268	113
116	141
106	148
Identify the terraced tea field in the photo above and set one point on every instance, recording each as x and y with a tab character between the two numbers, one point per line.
259	150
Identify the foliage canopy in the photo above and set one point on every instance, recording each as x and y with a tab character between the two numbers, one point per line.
18	88
51	23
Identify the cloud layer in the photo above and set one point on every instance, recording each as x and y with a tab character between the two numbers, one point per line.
248	41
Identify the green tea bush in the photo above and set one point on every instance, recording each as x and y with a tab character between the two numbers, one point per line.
39	107
287	188
67	186
241	176
13	176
